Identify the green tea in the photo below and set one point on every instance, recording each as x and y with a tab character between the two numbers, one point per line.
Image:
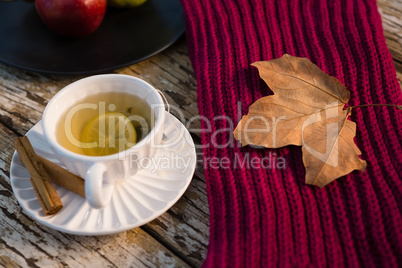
71	125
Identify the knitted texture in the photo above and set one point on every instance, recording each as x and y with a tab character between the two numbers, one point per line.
264	216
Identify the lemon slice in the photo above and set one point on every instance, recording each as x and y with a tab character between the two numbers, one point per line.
108	133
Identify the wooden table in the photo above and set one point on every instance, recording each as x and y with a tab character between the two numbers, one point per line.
179	237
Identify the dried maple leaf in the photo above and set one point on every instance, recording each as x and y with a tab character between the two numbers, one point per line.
307	109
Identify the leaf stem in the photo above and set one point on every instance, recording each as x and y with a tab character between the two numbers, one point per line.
366	105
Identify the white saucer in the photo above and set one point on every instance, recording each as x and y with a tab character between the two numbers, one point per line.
136	201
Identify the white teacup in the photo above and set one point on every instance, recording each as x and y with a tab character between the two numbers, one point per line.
102	172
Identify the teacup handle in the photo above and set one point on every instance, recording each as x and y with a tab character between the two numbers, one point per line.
96	195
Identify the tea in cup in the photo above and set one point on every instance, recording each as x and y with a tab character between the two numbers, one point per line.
94	124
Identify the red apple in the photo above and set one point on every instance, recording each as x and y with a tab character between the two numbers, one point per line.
74	18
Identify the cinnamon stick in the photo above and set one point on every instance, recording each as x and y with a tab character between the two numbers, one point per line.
40	200
63	177
47	195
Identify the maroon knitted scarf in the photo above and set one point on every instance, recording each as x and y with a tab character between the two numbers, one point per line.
261	213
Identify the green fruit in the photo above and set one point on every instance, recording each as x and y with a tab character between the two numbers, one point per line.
125	3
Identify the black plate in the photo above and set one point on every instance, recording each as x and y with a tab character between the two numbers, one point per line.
126	36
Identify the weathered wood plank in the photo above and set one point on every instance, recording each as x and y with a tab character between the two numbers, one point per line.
391	15
30	244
